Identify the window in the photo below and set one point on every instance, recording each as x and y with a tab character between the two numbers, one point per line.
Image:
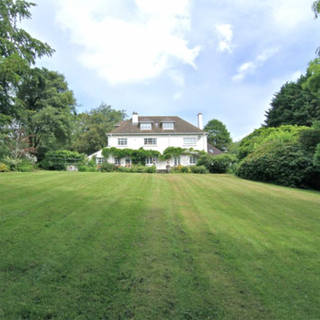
192	160
128	162
100	160
151	160
150	141
168	126
189	140
117	161
122	141
176	161
145	126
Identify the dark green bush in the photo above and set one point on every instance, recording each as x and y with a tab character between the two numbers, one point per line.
217	164
316	157
199	169
124	169
151	169
185	169
280	163
60	159
107	167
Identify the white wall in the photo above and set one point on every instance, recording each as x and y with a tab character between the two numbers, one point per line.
163	141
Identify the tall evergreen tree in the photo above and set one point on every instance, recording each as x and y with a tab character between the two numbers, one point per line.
294	104
218	135
18	49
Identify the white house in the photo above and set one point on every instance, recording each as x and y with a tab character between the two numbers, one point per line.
157	133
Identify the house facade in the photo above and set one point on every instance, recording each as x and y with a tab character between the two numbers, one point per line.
156	133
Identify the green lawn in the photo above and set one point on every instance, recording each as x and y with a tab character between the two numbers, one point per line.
151	246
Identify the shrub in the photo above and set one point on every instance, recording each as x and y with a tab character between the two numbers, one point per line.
11	164
185	169
124	169
107	167
25	165
151	169
285	134
3	168
60	159
199	169
281	163
316	158
217	164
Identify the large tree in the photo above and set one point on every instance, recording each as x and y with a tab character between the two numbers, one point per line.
295	104
18	48
218	136
46	108
93	127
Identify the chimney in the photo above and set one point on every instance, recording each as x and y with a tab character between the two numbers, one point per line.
135	118
200	123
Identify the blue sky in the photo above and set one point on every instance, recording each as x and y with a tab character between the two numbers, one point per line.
223	58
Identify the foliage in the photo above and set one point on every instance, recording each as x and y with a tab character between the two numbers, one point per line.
313	81
107	167
86	168
93	126
171	152
281	163
309	139
199	169
3	167
46	109
316	8
137	156
18	50
295	104
59	159
22	165
17	141
316	157
233	148
285	133
217	164
25	165
218	135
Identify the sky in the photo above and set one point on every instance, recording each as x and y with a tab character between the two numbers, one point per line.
223	58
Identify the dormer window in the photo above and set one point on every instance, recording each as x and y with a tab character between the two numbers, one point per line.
145	126
167	125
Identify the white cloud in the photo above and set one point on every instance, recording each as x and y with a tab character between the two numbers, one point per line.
126	44
251	66
225	37
177	95
177	77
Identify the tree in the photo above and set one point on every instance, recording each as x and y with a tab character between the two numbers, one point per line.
218	136
295	104
312	82
46	108
94	126
18	50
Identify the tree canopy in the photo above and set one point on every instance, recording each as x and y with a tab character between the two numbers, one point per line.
93	126
46	108
295	104
218	136
18	48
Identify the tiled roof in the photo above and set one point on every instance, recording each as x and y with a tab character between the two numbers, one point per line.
213	151
180	126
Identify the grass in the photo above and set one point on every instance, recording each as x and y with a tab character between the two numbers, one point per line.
143	246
